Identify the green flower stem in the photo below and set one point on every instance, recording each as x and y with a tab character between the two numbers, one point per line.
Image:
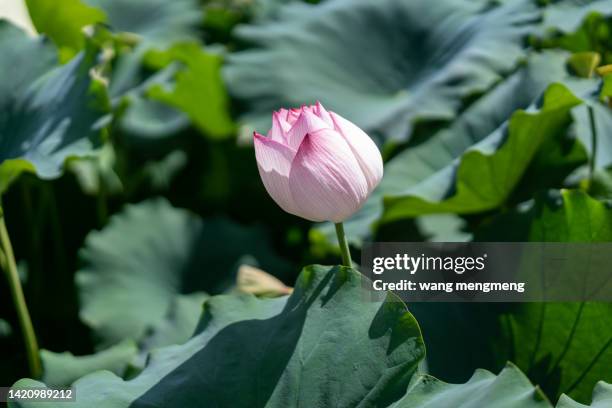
593	144
10	268
344	248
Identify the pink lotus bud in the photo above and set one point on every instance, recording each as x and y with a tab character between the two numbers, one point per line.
316	164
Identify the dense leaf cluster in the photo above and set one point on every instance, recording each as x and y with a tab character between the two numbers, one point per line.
133	201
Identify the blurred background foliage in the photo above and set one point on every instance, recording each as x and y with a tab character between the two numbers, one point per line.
131	190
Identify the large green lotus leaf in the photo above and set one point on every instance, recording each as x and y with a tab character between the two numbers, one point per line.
602	117
154	21
198	91
510	389
268	8
564	347
322	346
602	398
481	120
63	22
187	86
145	119
179	324
149	254
47	113
24	59
565	216
62	369
384	65
567	15
486	173
156	24
159	22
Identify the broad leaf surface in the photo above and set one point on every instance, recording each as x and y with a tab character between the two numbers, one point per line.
564	347
198	91
300	350
155	22
159	24
602	117
486	174
567	15
286	352
602	398
481	120
63	22
48	113
25	59
155	25
146	119
62	369
510	389
384	65
137	268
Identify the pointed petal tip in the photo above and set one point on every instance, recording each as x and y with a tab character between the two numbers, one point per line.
258	136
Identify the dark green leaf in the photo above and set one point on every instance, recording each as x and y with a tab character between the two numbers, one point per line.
198	91
154	24
157	22
483	118
510	389
602	126
151	253
148	119
565	347
47	113
486	173
302	350
602	398
567	15
384	65
62	369
63	22
322	346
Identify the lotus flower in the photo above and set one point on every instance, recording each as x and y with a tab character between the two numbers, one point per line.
317	165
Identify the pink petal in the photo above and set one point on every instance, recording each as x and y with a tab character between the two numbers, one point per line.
293	115
283	113
363	148
308	122
274	164
322	113
280	127
326	181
